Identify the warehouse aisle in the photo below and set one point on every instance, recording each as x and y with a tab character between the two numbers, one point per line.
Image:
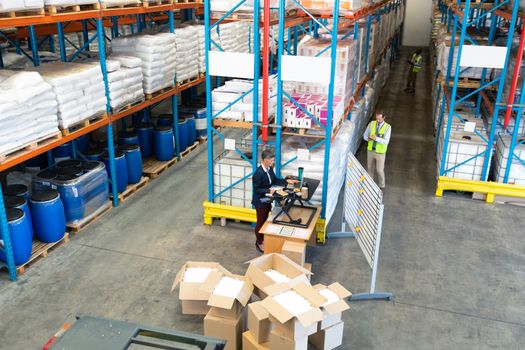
455	266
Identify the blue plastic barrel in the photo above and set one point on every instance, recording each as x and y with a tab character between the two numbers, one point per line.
192	133
21	237
127	138
17	190
93	154
19	203
133	162
64	151
145	134
165	120
164	144
120	167
49	219
183	135
200	122
82	143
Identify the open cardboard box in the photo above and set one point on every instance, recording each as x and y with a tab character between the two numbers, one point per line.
259	322
275	261
194	300
295	327
332	312
227	306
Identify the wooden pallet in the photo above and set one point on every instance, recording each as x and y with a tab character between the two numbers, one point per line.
148	3
157	93
41	250
187	1
109	6
126	107
187	81
243	16
23	13
189	149
82	124
18	151
85	222
58	9
229	123
153	168
131	189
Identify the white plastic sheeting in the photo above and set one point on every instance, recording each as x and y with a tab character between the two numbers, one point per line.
79	90
158	54
28	109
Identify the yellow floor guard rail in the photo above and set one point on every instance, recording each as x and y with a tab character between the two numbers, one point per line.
490	188
217	211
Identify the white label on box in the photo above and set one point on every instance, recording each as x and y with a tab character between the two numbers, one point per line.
483	56
229	144
231	64
470	126
306	69
303	154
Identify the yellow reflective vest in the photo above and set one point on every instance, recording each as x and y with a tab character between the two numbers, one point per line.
374	145
416	63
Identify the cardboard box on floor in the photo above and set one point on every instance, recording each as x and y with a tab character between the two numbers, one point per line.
280	341
194	301
282	264
329	338
332	312
227	329
250	343
259	322
295	251
227	307
299	326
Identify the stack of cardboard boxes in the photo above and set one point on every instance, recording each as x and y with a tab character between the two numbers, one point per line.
290	313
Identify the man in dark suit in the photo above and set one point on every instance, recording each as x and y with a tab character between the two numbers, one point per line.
263	179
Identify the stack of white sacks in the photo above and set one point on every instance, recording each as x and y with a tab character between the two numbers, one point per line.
79	90
202	50
124	80
242	110
28	109
61	3
20	5
232	37
187	59
158	55
314	165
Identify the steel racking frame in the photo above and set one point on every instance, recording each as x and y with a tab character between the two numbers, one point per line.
294	27
459	16
79	22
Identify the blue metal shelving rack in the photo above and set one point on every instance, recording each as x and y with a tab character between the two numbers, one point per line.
462	17
289	33
143	20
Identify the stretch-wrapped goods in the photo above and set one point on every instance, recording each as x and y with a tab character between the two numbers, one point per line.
158	54
315	163
28	109
187	59
20	5
79	90
124	80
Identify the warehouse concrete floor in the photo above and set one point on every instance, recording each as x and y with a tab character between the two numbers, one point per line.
455	266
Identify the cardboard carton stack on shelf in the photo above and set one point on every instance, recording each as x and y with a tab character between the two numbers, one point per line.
290	313
313	96
79	90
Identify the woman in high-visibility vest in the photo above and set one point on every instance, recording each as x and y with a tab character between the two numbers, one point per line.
377	135
415	65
